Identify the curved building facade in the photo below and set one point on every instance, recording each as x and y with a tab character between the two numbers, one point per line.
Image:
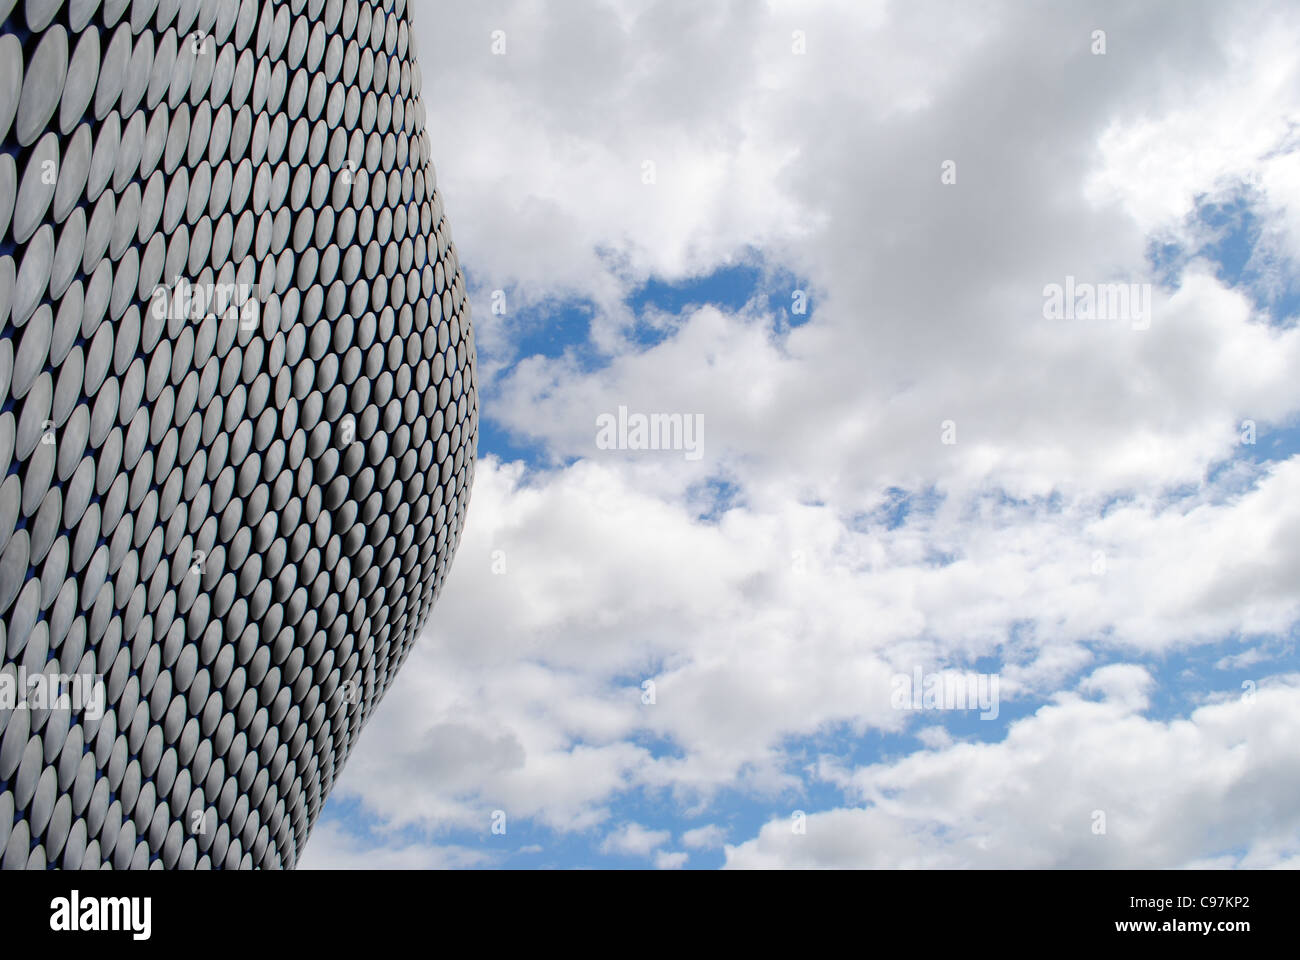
238	416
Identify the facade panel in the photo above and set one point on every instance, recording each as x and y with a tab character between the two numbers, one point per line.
238	417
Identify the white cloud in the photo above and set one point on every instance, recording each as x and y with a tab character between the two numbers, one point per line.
1181	793
671	859
333	848
526	695
787	616
707	837
928	298
634	839
1123	683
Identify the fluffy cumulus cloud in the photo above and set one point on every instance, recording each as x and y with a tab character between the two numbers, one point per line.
657	658
1083	783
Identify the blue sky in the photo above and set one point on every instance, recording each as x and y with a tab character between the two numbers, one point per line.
553	330
1097	537
557	329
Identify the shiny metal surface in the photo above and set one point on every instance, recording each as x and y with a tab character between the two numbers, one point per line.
43	80
225	304
79	87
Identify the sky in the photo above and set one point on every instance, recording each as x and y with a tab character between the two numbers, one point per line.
827	235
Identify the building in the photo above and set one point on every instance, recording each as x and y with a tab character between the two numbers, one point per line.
238	416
